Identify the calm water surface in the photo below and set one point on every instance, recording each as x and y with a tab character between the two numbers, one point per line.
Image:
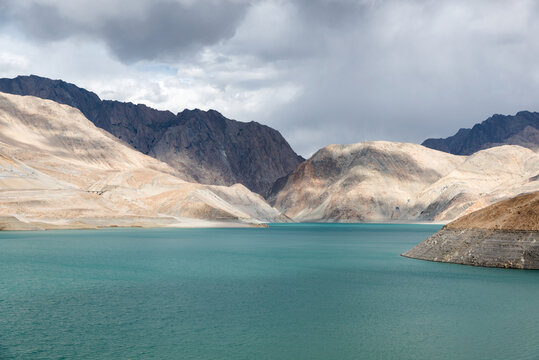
288	292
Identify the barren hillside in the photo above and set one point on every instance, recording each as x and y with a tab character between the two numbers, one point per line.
59	170
381	181
505	234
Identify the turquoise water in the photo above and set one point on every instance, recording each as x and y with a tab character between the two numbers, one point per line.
288	292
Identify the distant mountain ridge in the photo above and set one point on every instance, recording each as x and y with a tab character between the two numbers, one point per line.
520	129
204	146
386	181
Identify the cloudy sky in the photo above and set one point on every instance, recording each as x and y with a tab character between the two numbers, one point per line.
320	71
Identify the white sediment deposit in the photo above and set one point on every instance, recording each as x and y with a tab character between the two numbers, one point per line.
387	181
505	234
57	170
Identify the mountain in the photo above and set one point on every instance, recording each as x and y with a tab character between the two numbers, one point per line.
204	146
521	129
386	181
58	170
505	234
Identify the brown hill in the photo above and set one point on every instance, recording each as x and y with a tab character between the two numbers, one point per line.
505	234
519	213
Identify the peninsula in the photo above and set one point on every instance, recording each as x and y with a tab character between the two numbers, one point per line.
505	234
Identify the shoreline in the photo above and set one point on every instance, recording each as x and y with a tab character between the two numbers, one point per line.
391	222
12	223
492	248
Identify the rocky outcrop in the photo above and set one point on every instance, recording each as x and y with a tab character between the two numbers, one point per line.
385	181
203	146
505	234
477	247
58	170
521	129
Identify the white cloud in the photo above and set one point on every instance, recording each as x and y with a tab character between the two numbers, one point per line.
13	63
320	71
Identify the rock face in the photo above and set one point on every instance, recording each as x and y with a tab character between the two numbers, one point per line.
385	181
58	170
203	146
505	234
521	129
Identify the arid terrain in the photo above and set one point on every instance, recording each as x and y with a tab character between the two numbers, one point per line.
505	234
387	181
58	170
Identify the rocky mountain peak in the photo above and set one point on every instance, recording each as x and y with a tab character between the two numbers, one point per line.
520	129
204	146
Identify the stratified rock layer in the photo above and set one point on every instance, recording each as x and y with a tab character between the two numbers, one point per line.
480	247
505	234
204	146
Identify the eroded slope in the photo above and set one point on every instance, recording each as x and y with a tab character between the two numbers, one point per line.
204	146
381	181
59	170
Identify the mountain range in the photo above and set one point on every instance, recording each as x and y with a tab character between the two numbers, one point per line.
387	181
520	129
204	146
58	170
70	159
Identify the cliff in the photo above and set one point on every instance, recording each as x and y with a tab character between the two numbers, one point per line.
505	234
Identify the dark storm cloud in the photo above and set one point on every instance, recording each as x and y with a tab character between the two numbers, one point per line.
320	71
168	28
299	29
44	22
404	70
332	13
163	28
4	11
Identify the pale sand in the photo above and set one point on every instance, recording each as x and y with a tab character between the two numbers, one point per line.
11	223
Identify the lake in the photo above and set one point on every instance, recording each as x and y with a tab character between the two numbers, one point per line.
294	291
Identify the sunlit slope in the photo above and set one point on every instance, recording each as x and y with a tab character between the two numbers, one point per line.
381	181
58	169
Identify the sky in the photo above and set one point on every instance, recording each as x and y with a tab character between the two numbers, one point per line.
319	71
